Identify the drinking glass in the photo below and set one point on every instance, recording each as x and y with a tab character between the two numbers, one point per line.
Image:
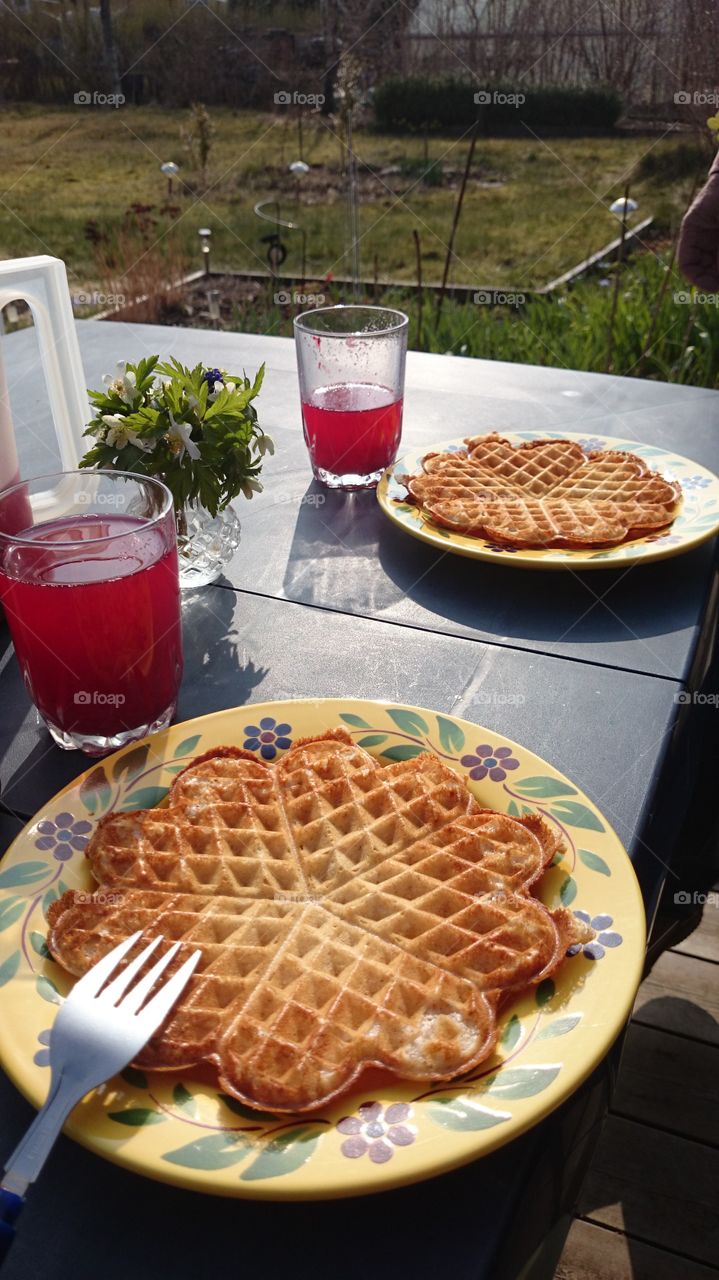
91	593
351	369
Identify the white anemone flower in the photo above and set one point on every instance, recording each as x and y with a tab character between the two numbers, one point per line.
122	384
180	431
251	486
119	434
265	444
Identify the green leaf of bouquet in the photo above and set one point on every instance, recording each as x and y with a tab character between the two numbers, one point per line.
356	721
374	740
213	1151
283	1154
144	798
186	746
408	721
559	1026
522	1082
39	944
247	1113
593	861
136	1078
407	751
460	1113
567	891
23	873
451	735
542	786
46	988
544	992
95	791
182	1097
10	911
137	1116
511	1032
9	968
128	766
576	815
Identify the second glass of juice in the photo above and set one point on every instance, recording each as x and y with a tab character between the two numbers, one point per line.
351	364
92	599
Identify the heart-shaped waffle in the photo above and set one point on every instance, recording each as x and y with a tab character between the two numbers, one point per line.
544	493
349	915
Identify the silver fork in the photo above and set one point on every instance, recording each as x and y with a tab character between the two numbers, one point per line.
99	1028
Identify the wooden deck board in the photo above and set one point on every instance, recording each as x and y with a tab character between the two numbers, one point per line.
594	1253
670	1082
704	941
681	995
657	1187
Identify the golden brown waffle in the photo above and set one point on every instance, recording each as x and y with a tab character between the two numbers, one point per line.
349	915
544	493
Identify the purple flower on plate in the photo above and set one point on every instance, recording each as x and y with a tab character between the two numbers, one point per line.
268	737
64	836
592	444
695	482
663	538
42	1057
605	936
377	1131
492	761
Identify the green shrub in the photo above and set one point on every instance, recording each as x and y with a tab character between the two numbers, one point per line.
448	103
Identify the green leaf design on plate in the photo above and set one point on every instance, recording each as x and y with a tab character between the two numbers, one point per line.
511	1033
404	752
39	944
95	791
559	1026
545	992
187	746
136	1078
129	765
374	740
593	861
214	1151
137	1116
10	911
144	798
576	815
51	896
541	787
408	721
567	891
451	736
283	1154
356	721
556	860
9	968
460	1113
247	1113
175	768
522	1082
23	873
184	1099
46	988
513	809
402	506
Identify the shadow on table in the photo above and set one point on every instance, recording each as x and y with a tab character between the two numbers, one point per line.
213	666
339	538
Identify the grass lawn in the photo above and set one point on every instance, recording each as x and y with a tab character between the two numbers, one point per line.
533	210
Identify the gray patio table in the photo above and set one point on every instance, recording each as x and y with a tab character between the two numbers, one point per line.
330	599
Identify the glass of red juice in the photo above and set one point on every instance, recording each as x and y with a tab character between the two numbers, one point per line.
351	368
91	593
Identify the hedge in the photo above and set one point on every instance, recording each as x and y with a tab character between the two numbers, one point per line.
447	103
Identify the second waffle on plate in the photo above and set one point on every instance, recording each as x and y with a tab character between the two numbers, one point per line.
544	493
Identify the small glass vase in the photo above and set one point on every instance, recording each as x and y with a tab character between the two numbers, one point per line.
205	543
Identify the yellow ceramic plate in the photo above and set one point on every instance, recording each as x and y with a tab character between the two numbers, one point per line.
178	1129
698	518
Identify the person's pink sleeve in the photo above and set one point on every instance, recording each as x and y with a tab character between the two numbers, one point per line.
698	248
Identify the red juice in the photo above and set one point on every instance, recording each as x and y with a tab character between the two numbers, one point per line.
352	428
96	625
15	511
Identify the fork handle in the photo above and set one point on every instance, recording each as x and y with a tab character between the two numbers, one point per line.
35	1146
